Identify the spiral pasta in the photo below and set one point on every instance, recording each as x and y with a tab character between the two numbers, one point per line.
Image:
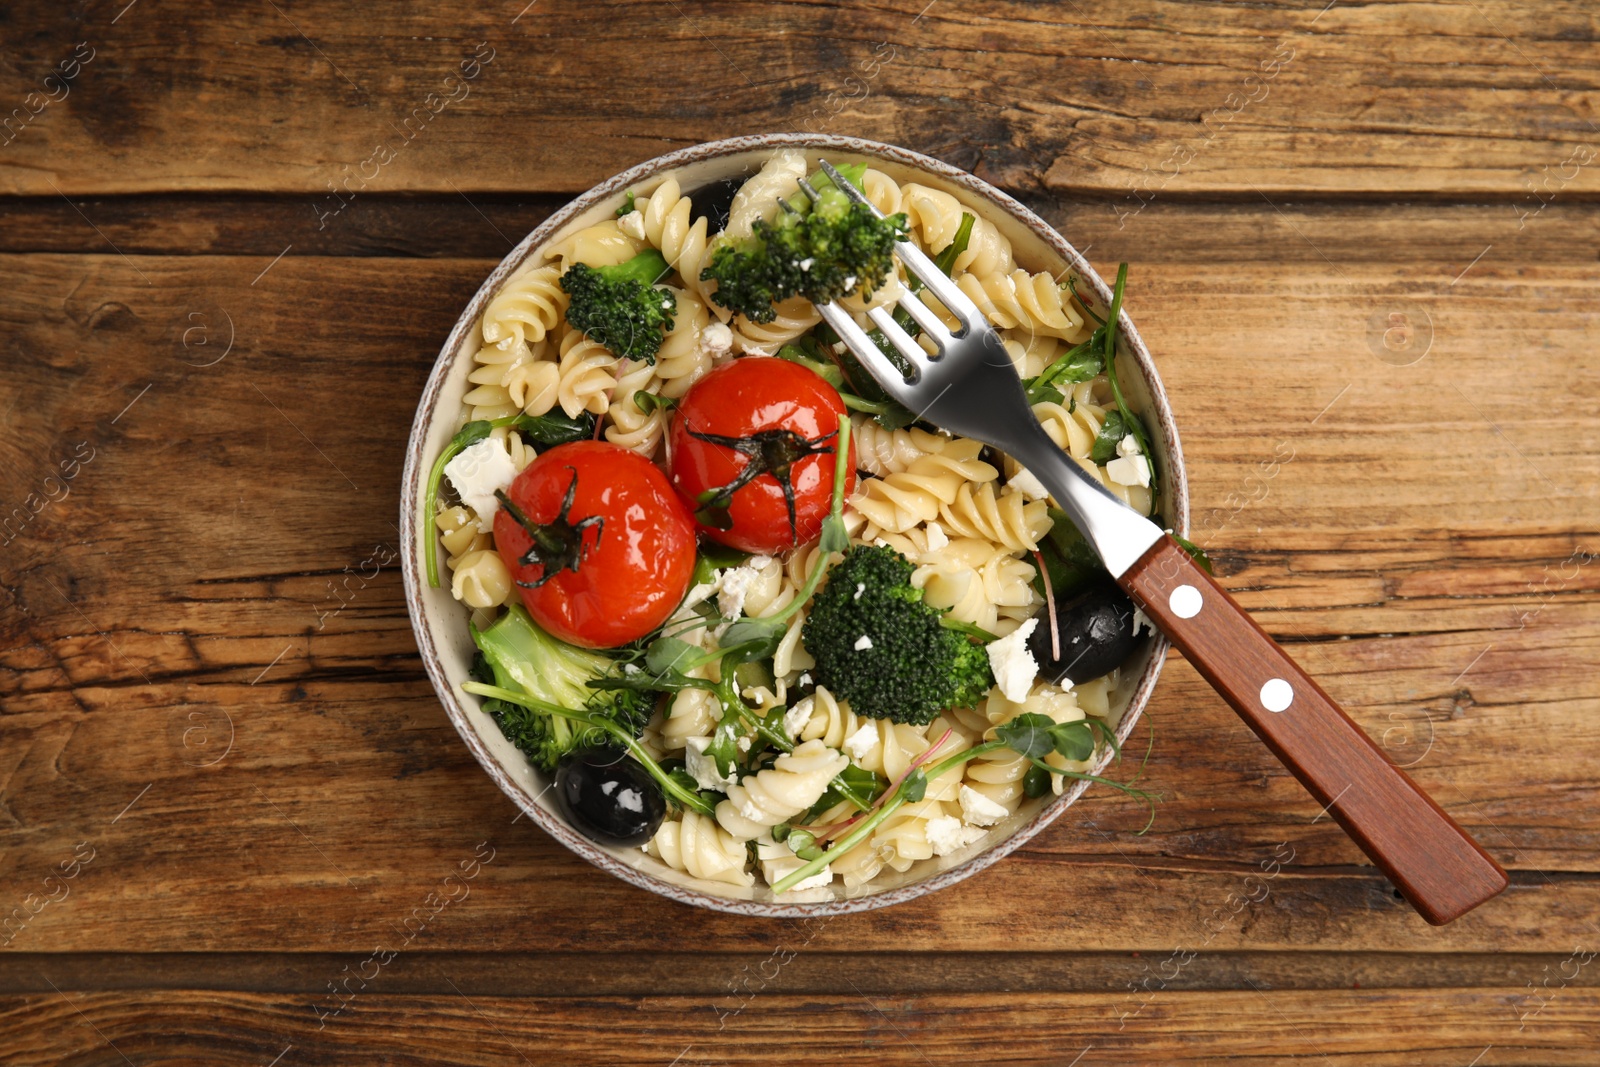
681	239
880	451
878	745
604	244
682	359
586	379
901	500
529	306
792	318
1019	300
935	216
696	845
792	784
629	425
480	579
778	178
1007	518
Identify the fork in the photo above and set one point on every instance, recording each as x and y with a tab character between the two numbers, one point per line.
969	386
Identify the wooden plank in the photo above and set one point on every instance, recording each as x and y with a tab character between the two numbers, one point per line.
594	972
127	668
1370	1029
1155	100
1447	236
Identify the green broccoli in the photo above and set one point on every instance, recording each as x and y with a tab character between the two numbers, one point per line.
620	306
879	646
516	655
836	248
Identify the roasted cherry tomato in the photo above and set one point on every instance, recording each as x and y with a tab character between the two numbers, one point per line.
599	544
752	453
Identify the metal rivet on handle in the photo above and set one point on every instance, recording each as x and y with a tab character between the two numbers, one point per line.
1277	694
1185	602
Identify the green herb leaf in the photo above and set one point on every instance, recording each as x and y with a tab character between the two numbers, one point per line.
627	205
1028	735
1196	551
946	259
1112	431
1074	740
724	746
650	403
665	654
915	786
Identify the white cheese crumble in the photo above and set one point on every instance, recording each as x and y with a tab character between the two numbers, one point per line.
861	587
734	587
476	472
795	719
859	744
936	537
805	264
1131	467
946	834
863	643
703	768
805	679
632	224
1025	483
979	810
1014	666
1140	621
716	340
819	880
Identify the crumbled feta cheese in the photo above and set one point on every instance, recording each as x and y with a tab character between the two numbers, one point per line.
752	812
1129	470
850	283
805	264
1025	483
743	743
863	643
819	880
1141	621
476	472
733	588
979	810
1129	446
1014	666
703	768
805	679
946	834
632	224
861	587
795	719
631	668
1066	684
936	537
716	340
859	744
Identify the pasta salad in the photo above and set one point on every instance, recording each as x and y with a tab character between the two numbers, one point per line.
754	617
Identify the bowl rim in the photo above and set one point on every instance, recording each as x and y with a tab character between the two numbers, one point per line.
1132	346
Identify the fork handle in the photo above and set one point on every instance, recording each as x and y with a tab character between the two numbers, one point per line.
1439	868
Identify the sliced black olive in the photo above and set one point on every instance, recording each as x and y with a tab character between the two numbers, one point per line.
714	200
1096	628
608	796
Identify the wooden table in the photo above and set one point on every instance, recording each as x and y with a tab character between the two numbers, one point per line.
1363	244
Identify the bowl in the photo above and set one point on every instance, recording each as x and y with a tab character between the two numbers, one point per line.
440	622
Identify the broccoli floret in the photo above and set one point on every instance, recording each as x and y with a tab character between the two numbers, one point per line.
836	248
879	646
515	654
620	306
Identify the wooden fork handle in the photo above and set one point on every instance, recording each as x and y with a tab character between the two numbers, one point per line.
1439	868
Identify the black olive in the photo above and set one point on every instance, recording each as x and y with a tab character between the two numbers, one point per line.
608	796
714	200
1096	628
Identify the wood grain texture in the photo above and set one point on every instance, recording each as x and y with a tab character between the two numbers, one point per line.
1152	100
1351	1029
1368	279
1435	864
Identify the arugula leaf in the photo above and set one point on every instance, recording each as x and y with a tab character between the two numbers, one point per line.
861	788
1112	431
915	786
724	746
946	259
550	429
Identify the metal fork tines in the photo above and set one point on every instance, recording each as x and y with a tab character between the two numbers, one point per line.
969	386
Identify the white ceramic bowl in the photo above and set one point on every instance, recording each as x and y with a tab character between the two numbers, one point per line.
441	623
